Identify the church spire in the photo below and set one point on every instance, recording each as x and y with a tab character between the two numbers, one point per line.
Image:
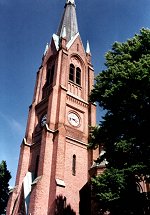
69	20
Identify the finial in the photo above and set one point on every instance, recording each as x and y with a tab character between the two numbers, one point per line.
46	48
88	48
63	35
71	1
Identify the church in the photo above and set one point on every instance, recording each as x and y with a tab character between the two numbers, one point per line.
54	162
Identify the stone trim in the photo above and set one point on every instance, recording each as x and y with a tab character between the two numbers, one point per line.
77	98
63	87
69	44
78	141
13	189
24	142
36	180
60	183
49	130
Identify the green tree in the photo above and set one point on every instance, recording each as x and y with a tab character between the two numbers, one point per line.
5	176
123	91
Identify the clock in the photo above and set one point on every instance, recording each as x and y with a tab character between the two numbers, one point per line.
43	120
73	119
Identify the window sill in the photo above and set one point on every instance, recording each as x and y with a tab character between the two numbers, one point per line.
71	82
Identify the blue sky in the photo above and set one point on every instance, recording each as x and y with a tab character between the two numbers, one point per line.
25	28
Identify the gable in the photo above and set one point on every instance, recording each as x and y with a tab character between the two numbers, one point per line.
75	46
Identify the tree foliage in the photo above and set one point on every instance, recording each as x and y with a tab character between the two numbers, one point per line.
123	91
5	176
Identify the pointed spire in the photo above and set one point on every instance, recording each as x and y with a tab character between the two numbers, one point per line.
88	48
69	20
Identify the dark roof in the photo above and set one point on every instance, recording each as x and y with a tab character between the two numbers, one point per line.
69	21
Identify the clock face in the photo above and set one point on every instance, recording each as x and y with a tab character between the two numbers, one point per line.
73	119
43	120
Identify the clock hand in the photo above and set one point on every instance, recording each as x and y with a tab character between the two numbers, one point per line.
75	120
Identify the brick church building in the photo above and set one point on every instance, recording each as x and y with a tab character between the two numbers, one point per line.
54	163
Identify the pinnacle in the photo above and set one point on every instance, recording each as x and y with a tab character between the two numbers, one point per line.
88	48
46	48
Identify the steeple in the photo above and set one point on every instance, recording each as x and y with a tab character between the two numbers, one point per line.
54	154
69	21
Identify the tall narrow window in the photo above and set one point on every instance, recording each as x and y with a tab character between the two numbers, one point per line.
71	72
36	167
48	77
74	165
52	74
78	76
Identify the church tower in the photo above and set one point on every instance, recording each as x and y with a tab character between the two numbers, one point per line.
54	158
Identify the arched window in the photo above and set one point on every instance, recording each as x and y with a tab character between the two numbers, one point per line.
71	72
78	76
75	74
74	165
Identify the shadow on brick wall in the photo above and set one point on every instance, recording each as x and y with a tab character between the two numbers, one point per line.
62	208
